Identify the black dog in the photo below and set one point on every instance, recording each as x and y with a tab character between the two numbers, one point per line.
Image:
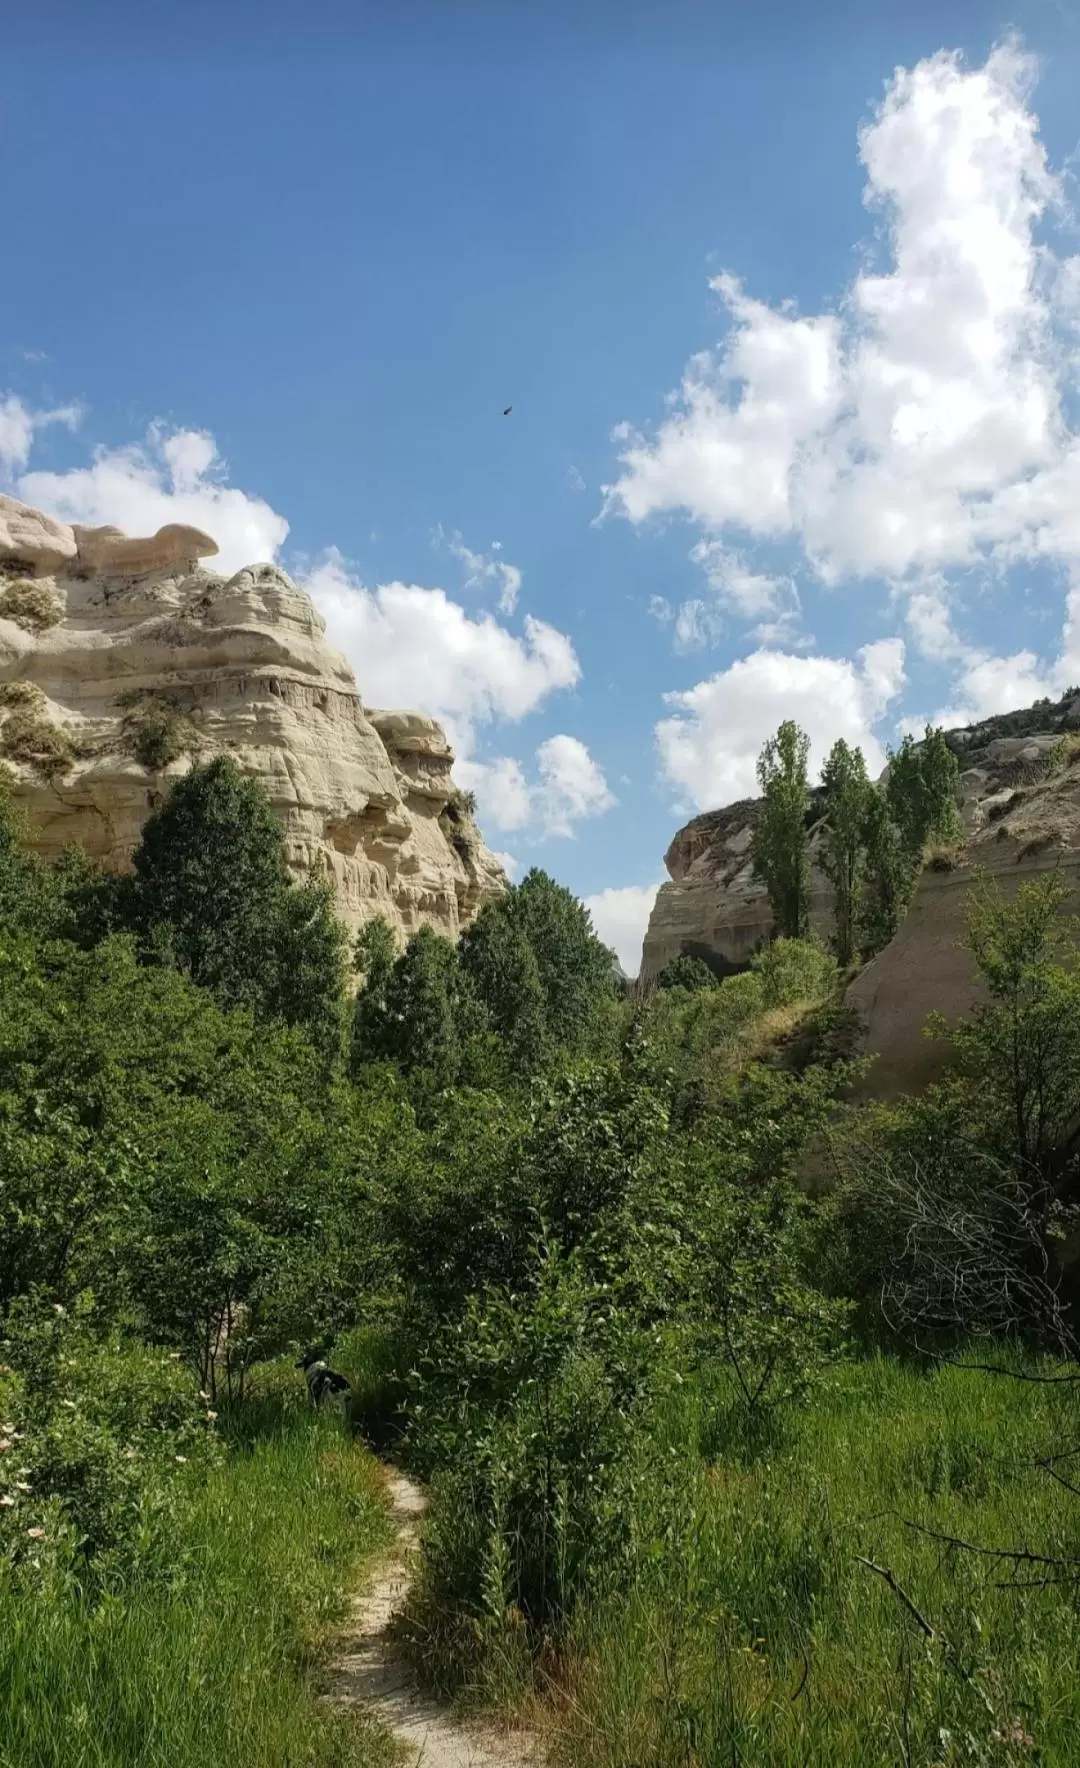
323	1382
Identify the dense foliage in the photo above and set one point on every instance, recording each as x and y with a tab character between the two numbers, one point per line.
648	1377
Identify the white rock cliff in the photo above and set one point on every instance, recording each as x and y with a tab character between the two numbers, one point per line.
123	660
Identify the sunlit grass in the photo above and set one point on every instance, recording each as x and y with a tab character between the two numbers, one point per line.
755	1633
221	1669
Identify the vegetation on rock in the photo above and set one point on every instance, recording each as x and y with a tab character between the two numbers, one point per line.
30	605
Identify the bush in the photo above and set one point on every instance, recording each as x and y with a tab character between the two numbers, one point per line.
692	974
158	733
27	737
91	1467
794	970
30	605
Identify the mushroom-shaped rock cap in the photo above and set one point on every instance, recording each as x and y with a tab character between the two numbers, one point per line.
109	551
32	540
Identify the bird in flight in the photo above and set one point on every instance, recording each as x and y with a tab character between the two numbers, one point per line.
507	409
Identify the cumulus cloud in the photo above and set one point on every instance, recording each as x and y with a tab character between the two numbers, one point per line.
568	788
413	646
709	747
573	785
481	570
924	424
620	916
924	427
19	425
174	476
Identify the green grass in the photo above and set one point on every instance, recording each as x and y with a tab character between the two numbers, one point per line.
221	1669
755	1636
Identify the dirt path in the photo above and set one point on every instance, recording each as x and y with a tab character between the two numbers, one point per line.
371	1671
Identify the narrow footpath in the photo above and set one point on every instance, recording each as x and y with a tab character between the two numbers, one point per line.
371	1671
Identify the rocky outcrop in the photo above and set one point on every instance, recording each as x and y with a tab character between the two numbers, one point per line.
122	660
714	908
1020	805
1021	811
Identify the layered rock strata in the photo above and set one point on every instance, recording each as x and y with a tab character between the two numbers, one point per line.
123	660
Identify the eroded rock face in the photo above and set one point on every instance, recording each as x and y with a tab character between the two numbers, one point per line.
238	666
714	908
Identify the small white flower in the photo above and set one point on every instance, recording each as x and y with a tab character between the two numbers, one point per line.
36	1534
180	1458
7	1501
210	1414
70	1404
21	1486
5	1445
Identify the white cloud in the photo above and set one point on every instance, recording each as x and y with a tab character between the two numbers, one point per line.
412	646
509	864
171	477
709	748
925	424
573	786
503	794
19	425
480	570
568	789
620	916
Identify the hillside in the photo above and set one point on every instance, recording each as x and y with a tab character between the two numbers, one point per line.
1020	806
123	659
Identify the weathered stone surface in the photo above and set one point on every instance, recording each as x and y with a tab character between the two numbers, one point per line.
245	665
110	552
714	908
32	541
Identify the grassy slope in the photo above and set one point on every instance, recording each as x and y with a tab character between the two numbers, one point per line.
757	1636
221	1670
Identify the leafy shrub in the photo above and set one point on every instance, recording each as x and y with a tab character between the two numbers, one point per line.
157	732
794	970
686	972
29	738
21	693
96	1438
30	605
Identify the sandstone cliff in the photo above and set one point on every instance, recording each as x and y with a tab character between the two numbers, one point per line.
122	660
1020	803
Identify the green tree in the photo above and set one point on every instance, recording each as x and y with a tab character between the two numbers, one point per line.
555	996
213	894
499	961
846	791
686	972
374	956
921	792
887	876
1023	1046
780	850
419	1026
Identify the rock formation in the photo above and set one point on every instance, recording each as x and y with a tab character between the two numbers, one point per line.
1020	804
714	908
122	660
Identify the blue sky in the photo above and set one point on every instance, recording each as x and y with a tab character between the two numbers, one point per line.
786	301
